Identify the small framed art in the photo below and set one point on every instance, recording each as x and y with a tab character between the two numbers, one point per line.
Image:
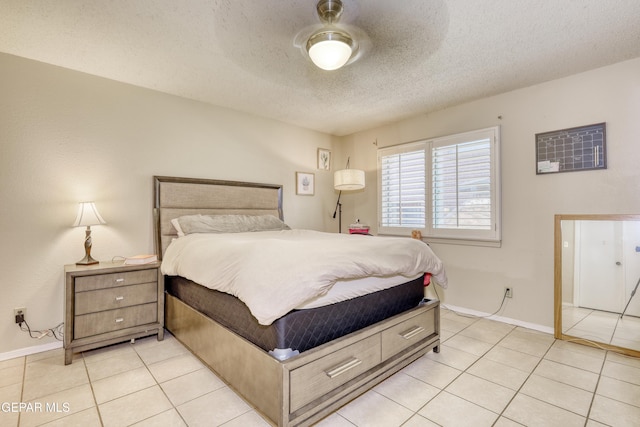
324	159
305	184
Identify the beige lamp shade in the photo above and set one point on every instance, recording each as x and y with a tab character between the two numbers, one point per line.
348	179
88	215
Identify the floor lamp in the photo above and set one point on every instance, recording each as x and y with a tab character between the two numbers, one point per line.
346	180
630	298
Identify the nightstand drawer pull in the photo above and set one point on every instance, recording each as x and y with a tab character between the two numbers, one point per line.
119	298
407	335
120	280
343	367
119	319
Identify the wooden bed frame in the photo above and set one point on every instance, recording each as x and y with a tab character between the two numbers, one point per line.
305	388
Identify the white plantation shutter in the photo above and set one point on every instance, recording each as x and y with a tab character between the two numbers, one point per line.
448	187
403	186
461	180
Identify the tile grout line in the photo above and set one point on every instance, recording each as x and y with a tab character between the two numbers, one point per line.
500	415
439	390
528	376
457	376
24	377
595	390
128	394
523	383
593	393
174	407
93	394
164	392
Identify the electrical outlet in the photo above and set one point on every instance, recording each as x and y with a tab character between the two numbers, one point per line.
20	313
508	292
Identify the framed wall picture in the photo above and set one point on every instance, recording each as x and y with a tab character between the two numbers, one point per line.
305	184
324	159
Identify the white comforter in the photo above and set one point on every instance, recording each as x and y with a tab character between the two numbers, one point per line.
273	272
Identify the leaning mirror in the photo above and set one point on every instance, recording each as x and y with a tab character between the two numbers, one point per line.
597	274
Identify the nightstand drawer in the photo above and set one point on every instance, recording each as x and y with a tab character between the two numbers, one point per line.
119	297
113	320
312	381
407	333
90	283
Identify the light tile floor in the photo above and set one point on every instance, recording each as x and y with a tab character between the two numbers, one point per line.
487	374
602	326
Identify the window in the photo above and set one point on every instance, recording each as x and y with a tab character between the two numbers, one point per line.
446	187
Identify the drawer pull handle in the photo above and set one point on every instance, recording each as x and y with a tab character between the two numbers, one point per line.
120	280
343	367
119	319
407	335
119	298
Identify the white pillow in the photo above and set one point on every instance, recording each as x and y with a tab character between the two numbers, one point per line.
176	225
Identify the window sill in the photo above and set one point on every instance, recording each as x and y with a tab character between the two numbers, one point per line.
450	241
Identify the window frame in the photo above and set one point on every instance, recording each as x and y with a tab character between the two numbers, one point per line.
450	235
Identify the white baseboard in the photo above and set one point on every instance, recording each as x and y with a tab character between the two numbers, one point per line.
516	322
30	350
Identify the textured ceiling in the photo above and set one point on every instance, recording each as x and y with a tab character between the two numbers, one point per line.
415	56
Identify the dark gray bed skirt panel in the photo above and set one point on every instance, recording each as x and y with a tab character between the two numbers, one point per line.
299	329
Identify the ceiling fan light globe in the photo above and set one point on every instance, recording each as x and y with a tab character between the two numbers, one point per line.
329	50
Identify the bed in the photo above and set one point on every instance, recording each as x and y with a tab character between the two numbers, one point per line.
291	377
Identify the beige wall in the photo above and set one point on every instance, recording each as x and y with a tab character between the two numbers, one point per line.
478	275
67	137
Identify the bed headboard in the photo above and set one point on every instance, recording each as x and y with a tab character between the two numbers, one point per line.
174	197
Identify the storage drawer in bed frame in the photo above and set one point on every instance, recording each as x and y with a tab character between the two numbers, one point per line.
305	388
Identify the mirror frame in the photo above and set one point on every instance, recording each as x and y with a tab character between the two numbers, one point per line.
557	279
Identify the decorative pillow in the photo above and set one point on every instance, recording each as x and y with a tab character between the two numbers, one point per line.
176	225
230	223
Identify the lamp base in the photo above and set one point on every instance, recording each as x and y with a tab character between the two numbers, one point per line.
87	260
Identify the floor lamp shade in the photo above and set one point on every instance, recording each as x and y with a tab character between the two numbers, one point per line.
348	179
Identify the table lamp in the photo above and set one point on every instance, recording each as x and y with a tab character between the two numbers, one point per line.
87	216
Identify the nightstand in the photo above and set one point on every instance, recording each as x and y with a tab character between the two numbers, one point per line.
107	303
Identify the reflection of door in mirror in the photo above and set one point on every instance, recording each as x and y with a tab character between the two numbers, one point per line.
599	259
598	281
